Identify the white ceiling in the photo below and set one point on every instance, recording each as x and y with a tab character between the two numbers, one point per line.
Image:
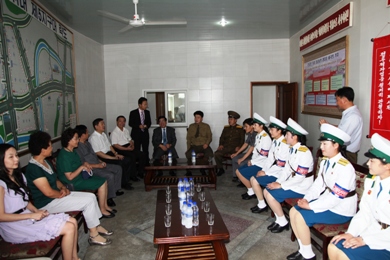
249	19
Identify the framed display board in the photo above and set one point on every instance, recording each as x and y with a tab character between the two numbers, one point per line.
37	83
324	71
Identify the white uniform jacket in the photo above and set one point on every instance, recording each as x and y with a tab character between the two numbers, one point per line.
300	164
277	157
373	208
261	149
340	178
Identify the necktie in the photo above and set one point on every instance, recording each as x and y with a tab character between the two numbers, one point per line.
327	165
142	119
291	150
197	132
380	189
164	137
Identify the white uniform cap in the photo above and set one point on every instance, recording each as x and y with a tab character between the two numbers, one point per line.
335	134
380	148
276	123
258	119
295	128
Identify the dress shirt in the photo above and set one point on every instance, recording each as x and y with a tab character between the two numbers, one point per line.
120	137
99	142
352	123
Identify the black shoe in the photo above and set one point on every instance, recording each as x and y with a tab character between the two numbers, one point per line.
240	185
248	197
107	216
113	211
254	208
297	256
127	186
203	171
272	225
111	203
119	193
159	173
279	229
172	173
135	179
220	172
235	179
259	210
188	173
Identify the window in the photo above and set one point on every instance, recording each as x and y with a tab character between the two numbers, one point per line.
171	104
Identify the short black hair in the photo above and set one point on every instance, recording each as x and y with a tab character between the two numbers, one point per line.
67	135
346	92
119	117
141	100
96	122
81	129
38	141
158	119
198	112
248	121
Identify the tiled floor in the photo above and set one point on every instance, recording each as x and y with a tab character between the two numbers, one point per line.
134	226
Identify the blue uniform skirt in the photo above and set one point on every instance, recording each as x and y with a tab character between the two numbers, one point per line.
326	217
250	171
363	252
280	194
264	180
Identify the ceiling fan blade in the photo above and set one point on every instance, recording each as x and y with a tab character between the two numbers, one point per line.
124	29
165	22
114	16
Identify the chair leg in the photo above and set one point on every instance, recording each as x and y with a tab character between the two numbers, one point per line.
325	244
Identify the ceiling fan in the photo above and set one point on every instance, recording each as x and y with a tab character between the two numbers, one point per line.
136	21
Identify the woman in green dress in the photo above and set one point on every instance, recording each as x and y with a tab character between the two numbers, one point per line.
71	171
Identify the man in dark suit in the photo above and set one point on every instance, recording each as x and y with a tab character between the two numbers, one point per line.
164	140
139	121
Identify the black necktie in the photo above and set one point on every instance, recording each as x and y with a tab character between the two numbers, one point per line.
197	132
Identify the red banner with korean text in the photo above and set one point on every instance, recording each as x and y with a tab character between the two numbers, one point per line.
380	89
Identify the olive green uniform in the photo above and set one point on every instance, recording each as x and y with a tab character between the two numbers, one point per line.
231	138
197	136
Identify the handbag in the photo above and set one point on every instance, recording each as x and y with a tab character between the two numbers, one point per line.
86	175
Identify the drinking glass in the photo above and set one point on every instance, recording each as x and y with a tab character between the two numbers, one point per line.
168	197
202	196
198	187
168	209
168	189
210	220
206	206
167	220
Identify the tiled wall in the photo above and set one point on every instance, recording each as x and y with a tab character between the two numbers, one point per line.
369	17
216	74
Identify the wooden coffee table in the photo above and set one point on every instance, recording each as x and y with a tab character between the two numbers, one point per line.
152	181
177	242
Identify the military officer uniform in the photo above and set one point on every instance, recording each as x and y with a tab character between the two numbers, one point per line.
232	137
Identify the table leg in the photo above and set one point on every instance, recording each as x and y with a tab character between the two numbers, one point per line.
213	177
162	252
220	250
148	179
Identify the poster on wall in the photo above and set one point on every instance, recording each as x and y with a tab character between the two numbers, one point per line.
324	71
37	85
380	89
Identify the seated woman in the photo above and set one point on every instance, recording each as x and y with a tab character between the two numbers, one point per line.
294	179
259	155
331	199
20	221
276	161
368	234
50	194
70	168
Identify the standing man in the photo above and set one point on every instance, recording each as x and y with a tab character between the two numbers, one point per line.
124	145
139	121
104	150
231	139
199	138
351	121
164	140
111	172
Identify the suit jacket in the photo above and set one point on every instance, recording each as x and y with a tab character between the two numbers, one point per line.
135	121
171	139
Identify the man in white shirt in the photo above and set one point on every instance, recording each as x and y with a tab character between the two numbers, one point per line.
103	149
124	145
351	121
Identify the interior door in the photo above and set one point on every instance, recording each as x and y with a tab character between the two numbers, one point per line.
287	101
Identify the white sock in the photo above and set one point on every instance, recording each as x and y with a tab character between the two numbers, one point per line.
261	204
299	243
250	192
306	251
282	221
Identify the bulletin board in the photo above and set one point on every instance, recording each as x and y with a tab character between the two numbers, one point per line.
324	71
